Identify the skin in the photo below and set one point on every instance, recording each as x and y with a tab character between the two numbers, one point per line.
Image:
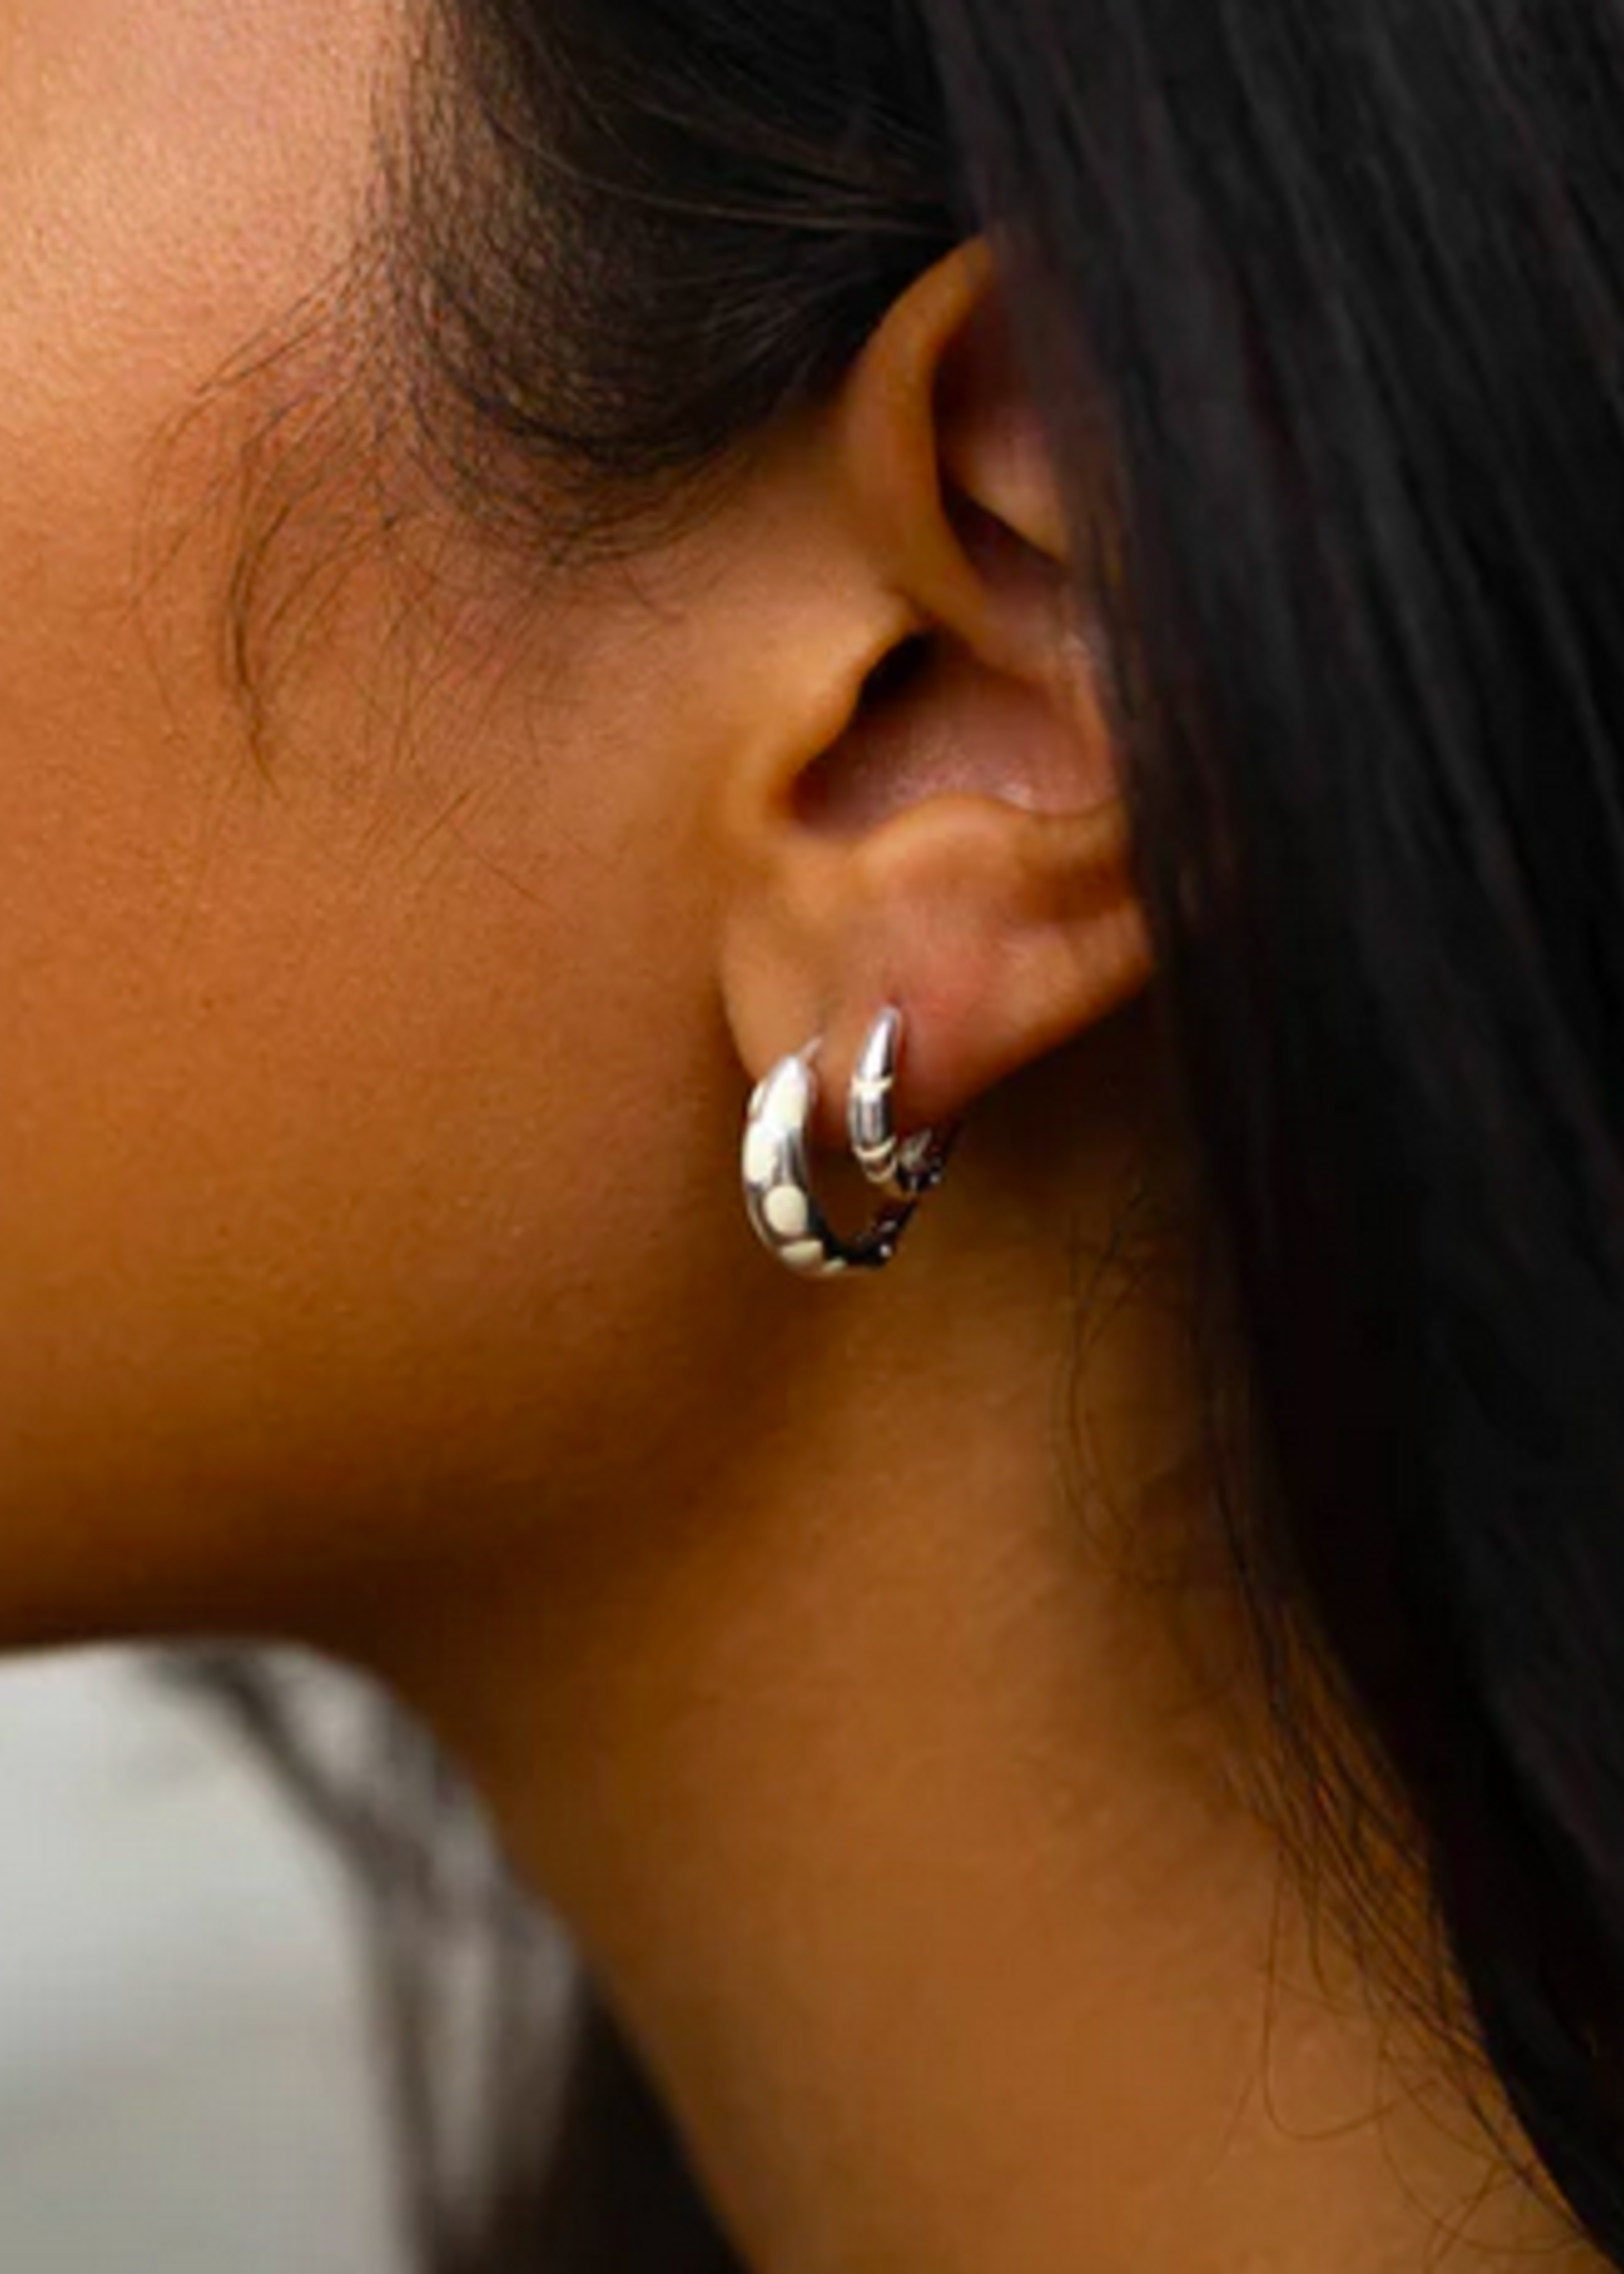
371	1270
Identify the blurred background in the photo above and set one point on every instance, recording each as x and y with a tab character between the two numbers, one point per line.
192	2000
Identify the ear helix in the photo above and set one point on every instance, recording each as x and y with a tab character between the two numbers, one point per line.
776	1167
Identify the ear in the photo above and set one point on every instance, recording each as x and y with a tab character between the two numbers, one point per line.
931	815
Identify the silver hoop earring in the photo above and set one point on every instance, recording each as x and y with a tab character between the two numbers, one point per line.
777	1181
908	1168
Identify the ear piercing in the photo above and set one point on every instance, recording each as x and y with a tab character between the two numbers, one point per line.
777	1181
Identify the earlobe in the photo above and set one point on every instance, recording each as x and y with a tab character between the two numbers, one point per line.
1004	933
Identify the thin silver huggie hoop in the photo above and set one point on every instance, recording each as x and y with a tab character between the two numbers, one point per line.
908	1168
778	1180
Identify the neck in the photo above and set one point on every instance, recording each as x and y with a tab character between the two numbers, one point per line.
904	1836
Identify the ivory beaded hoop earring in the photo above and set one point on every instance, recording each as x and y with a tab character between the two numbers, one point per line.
778	1180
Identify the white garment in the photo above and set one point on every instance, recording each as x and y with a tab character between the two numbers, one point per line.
184	2068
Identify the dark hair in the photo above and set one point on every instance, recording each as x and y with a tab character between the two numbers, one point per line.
1343	286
